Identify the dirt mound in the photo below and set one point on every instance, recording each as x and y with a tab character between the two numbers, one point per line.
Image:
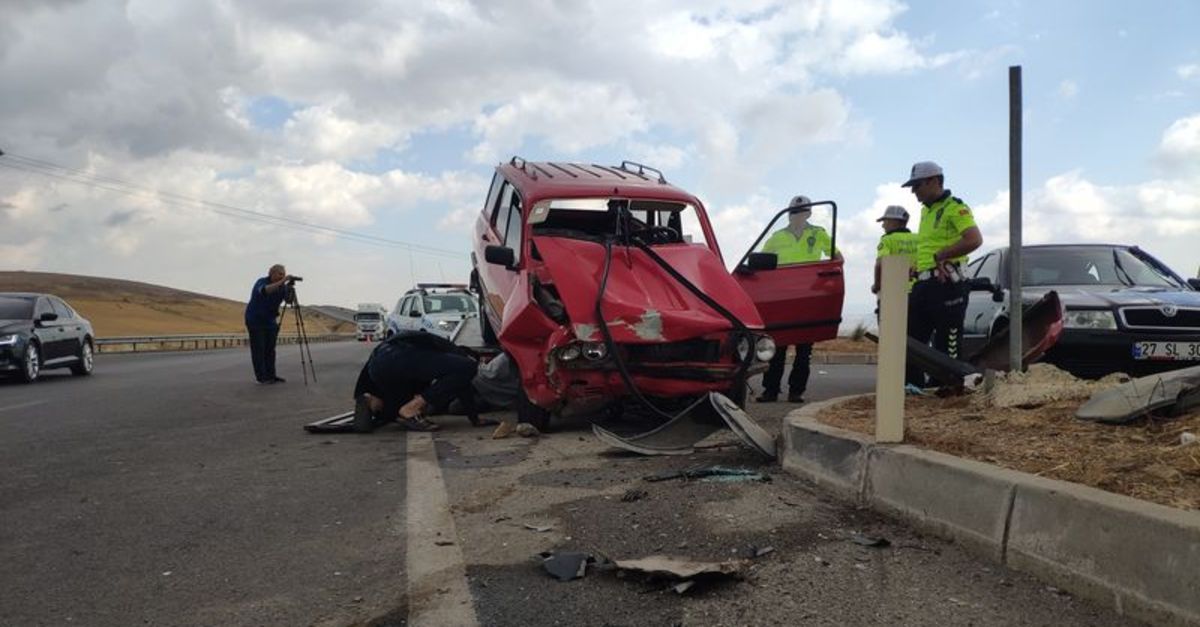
1040	385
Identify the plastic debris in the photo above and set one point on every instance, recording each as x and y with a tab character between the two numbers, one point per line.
567	565
538	528
1187	437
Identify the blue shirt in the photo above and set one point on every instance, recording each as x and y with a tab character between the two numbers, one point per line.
263	307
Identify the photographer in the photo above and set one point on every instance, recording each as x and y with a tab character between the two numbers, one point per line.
262	322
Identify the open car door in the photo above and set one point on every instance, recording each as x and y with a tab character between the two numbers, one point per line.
795	281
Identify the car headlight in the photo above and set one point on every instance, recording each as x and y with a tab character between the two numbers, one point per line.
764	348
595	351
1094	319
446	325
8	340
570	352
742	348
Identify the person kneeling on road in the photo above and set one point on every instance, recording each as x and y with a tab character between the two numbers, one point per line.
407	376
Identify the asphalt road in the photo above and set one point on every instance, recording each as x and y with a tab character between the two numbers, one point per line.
169	489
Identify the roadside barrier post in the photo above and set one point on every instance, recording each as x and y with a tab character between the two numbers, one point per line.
893	339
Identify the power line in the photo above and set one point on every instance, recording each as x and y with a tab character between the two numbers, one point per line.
46	168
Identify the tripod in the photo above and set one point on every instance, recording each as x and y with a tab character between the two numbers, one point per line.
306	361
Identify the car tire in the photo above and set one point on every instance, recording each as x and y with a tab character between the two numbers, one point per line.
32	366
86	360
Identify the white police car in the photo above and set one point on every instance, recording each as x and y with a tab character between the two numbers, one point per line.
438	308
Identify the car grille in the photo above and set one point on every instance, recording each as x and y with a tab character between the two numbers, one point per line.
1155	318
687	350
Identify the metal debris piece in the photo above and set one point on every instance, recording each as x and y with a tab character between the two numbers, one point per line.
742	425
710	473
566	565
1141	396
538	528
683	587
866	540
675	437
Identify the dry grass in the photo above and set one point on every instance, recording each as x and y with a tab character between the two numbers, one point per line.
1144	460
845	345
123	308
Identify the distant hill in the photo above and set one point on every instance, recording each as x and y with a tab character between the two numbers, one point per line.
121	308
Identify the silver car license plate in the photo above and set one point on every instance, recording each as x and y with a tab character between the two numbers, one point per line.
1167	351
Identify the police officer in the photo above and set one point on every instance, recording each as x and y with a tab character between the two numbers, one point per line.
799	242
947	233
896	240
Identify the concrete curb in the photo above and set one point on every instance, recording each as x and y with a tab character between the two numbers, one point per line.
1140	558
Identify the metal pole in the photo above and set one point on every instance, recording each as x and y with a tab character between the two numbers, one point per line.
893	339
1015	334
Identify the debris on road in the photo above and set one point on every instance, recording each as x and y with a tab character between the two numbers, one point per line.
539	528
681	434
685	571
759	552
863	539
710	473
566	565
634	494
1187	437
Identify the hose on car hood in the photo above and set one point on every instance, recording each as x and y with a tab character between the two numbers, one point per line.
625	235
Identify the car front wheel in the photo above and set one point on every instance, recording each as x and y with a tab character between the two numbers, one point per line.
33	364
84	366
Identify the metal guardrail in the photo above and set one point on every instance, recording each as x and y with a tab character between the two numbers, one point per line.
131	344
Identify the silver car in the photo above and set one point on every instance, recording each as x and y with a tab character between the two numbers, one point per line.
438	308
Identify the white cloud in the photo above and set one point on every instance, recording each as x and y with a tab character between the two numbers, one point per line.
1180	145
1188	72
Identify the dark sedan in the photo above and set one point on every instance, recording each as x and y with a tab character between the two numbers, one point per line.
41	331
1125	310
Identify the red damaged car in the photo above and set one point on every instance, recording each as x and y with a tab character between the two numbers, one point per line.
606	283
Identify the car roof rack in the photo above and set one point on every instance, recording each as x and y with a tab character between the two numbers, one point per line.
424	286
531	169
628	166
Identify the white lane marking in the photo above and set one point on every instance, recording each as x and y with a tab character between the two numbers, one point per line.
437	578
23	405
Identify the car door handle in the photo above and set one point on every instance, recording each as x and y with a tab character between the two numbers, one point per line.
830	273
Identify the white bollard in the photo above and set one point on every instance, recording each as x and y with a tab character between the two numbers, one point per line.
893	340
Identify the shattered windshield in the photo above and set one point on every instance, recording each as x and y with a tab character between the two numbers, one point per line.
660	222
1090	266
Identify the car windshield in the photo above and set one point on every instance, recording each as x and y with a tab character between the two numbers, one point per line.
1089	266
14	308
366	316
449	303
673	222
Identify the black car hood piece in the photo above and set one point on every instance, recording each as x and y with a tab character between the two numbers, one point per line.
1108	296
14	326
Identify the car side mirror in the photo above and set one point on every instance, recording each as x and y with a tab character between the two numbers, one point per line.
759	261
1195	283
48	316
998	295
500	255
414	314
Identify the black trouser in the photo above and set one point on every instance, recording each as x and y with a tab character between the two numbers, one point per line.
397	371
262	351
797	380
935	314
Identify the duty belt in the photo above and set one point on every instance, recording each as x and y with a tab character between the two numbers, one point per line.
955	274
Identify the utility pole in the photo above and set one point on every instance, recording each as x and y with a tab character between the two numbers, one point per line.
1015	310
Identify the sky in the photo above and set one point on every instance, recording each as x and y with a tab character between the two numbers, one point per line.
195	143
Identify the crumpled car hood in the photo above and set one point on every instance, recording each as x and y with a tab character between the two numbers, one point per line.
642	302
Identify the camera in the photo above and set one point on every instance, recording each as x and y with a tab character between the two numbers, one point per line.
292	280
